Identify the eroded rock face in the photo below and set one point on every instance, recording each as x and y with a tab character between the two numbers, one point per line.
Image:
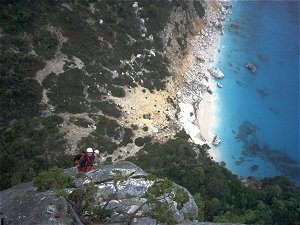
122	190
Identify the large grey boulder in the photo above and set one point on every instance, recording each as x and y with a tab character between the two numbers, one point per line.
22	204
120	193
132	197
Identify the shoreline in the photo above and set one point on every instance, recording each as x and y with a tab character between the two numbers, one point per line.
198	100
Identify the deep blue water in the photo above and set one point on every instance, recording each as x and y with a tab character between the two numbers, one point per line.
259	112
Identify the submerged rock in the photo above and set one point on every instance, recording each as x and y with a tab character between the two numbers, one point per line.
253	168
250	67
263	93
263	57
216	140
254	147
219	85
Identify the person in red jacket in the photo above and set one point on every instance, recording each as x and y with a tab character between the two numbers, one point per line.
86	161
77	158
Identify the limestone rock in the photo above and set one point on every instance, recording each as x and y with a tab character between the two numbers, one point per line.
22	204
123	189
216	140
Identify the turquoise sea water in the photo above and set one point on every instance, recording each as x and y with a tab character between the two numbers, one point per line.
259	112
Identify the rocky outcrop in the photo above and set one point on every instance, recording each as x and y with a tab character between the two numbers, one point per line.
131	196
216	73
250	67
216	140
120	193
122	190
22	204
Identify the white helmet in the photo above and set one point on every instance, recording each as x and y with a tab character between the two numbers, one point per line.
89	150
97	151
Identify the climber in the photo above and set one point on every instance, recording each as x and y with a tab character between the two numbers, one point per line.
96	154
86	161
78	157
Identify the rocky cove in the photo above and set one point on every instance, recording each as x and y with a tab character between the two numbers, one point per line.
197	98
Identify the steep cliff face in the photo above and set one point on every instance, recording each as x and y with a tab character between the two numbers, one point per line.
120	193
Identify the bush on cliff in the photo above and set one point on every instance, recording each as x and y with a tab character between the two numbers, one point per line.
53	178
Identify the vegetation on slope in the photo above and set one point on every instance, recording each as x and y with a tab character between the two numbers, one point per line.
33	33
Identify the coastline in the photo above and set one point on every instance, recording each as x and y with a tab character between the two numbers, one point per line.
251	100
198	100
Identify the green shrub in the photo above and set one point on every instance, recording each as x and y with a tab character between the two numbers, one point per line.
81	122
84	197
18	15
181	197
134	127
106	126
52	121
108	160
123	81
18	65
45	43
85	200
127	137
117	92
67	95
62	192
103	136
12	41
160	188
139	141
108	108
53	178
20	99
50	80
147	139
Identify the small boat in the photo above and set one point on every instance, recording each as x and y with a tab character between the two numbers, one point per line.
216	141
250	67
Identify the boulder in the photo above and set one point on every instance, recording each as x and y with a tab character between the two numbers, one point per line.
250	67
22	204
216	140
126	191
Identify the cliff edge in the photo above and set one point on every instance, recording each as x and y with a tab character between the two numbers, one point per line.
120	193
